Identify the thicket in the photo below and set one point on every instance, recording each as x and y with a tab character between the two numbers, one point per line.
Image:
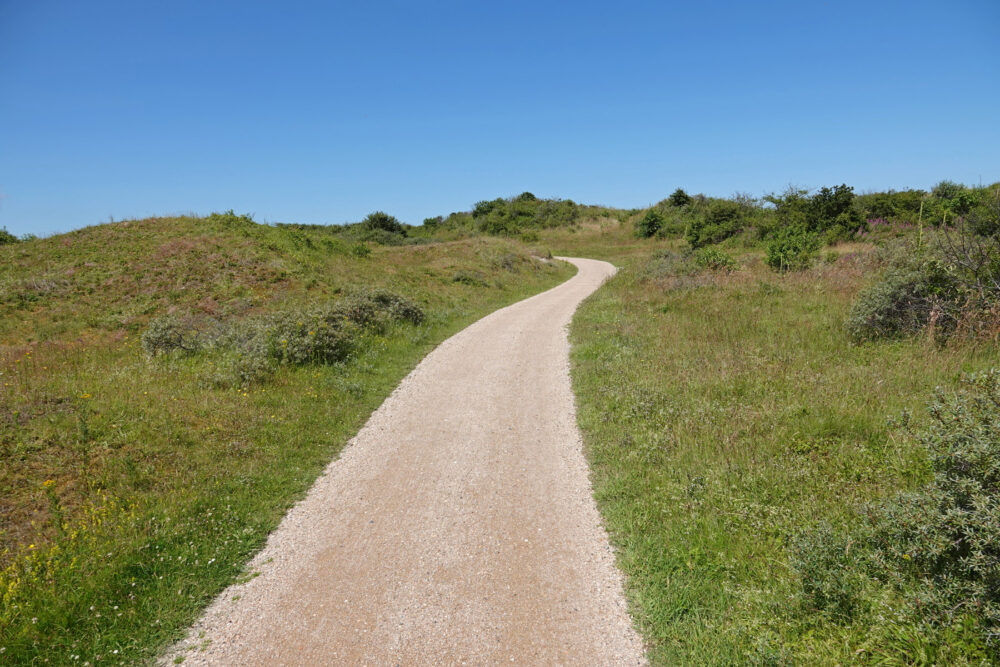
519	216
926	561
378	227
794	224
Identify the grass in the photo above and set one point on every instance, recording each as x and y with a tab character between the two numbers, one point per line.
133	490
725	413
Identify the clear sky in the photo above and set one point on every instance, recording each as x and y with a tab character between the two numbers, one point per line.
322	112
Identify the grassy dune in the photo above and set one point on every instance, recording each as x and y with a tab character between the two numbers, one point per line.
132	489
724	413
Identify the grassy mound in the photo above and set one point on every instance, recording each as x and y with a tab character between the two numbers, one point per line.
168	387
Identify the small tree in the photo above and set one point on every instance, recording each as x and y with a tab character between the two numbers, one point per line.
679	198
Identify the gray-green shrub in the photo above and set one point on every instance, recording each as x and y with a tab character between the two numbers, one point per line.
320	334
168	333
911	293
936	550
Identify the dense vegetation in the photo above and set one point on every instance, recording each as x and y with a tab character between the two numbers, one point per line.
168	387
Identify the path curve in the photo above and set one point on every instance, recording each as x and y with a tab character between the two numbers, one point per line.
457	527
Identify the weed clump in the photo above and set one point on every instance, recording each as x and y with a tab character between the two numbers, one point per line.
714	259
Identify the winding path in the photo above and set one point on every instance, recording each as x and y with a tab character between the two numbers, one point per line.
458	527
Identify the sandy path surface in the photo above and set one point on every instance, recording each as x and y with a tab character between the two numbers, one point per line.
458	527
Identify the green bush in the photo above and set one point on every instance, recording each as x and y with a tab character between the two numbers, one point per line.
380	220
714	259
905	299
648	225
231	219
722	218
317	335
948	534
792	248
947	190
679	198
361	250
6	237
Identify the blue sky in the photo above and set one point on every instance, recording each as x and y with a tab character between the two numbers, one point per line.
323	112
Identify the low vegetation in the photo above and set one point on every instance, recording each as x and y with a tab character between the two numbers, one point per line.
752	388
761	449
168	387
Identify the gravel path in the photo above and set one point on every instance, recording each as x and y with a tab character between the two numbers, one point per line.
458	527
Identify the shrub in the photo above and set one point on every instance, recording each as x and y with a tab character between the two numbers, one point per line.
303	337
948	534
947	190
714	259
231	219
239	368
934	552
484	208
829	574
361	250
649	224
6	237
679	198
376	307
722	219
379	220
792	248
833	207
168	333
907	297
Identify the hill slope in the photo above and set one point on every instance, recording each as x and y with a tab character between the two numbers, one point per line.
134	486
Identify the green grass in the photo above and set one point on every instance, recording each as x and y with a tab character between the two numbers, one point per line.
724	413
132	491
